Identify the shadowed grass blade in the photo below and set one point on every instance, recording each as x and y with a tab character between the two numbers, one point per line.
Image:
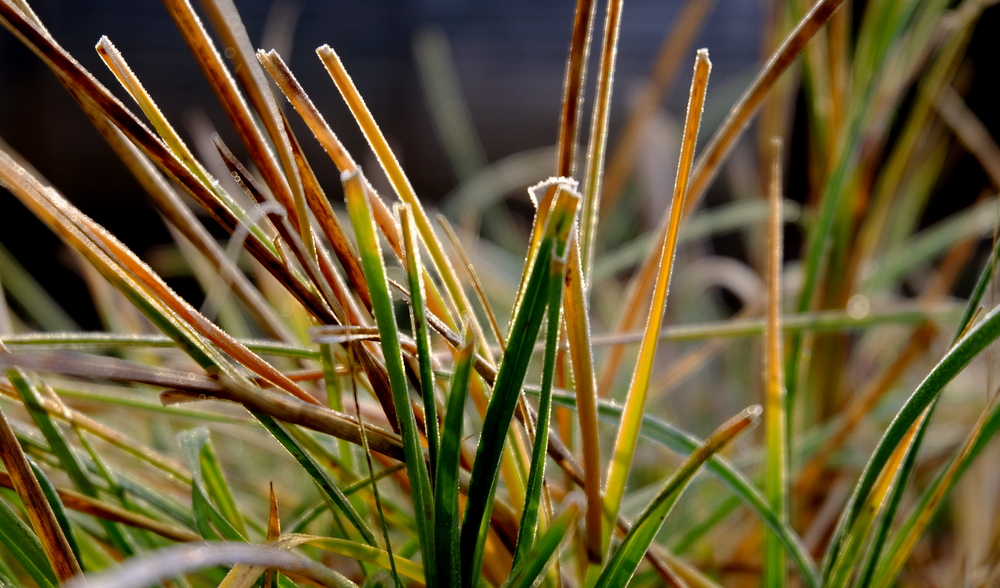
58	509
530	574
536	475
507	387
626	559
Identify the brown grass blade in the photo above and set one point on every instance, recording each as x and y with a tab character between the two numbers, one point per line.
671	56
400	184
40	514
598	141
573	86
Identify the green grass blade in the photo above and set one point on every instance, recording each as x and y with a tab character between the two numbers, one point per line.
64	453
206	515
536	474
507	387
421	333
373	266
25	547
319	475
536	561
218	488
625	560
670	436
959	356
446	553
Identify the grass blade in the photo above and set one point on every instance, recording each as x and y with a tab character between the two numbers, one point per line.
446	531
635	402
378	286
626	559
539	557
53	543
775	417
25	547
58	509
421	333
536	476
507	386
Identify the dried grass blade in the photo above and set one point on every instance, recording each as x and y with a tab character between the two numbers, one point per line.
235	105
775	417
635	402
674	49
625	560
577	322
399	182
53	542
573	86
598	141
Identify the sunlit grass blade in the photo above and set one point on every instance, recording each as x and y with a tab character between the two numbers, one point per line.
581	354
635	403
598	142
319	475
775	417
574	87
46	528
446	530
536	476
537	560
399	182
374	268
507	387
169	562
683	32
625	560
965	349
670	436
25	547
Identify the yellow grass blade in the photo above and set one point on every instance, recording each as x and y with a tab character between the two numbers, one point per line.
635	402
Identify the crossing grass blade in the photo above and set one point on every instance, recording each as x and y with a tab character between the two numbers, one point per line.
446	482
623	563
676	439
507	386
635	402
58	510
371	262
537	560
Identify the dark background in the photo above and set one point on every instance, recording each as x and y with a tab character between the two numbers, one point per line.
510	57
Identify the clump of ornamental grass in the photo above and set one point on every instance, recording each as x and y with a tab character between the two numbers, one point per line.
373	403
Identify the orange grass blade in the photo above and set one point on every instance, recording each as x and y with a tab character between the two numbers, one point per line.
400	184
635	402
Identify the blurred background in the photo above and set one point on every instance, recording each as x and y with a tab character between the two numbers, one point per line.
508	58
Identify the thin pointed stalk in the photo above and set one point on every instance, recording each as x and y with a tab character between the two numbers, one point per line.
635	402
598	142
775	417
399	182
